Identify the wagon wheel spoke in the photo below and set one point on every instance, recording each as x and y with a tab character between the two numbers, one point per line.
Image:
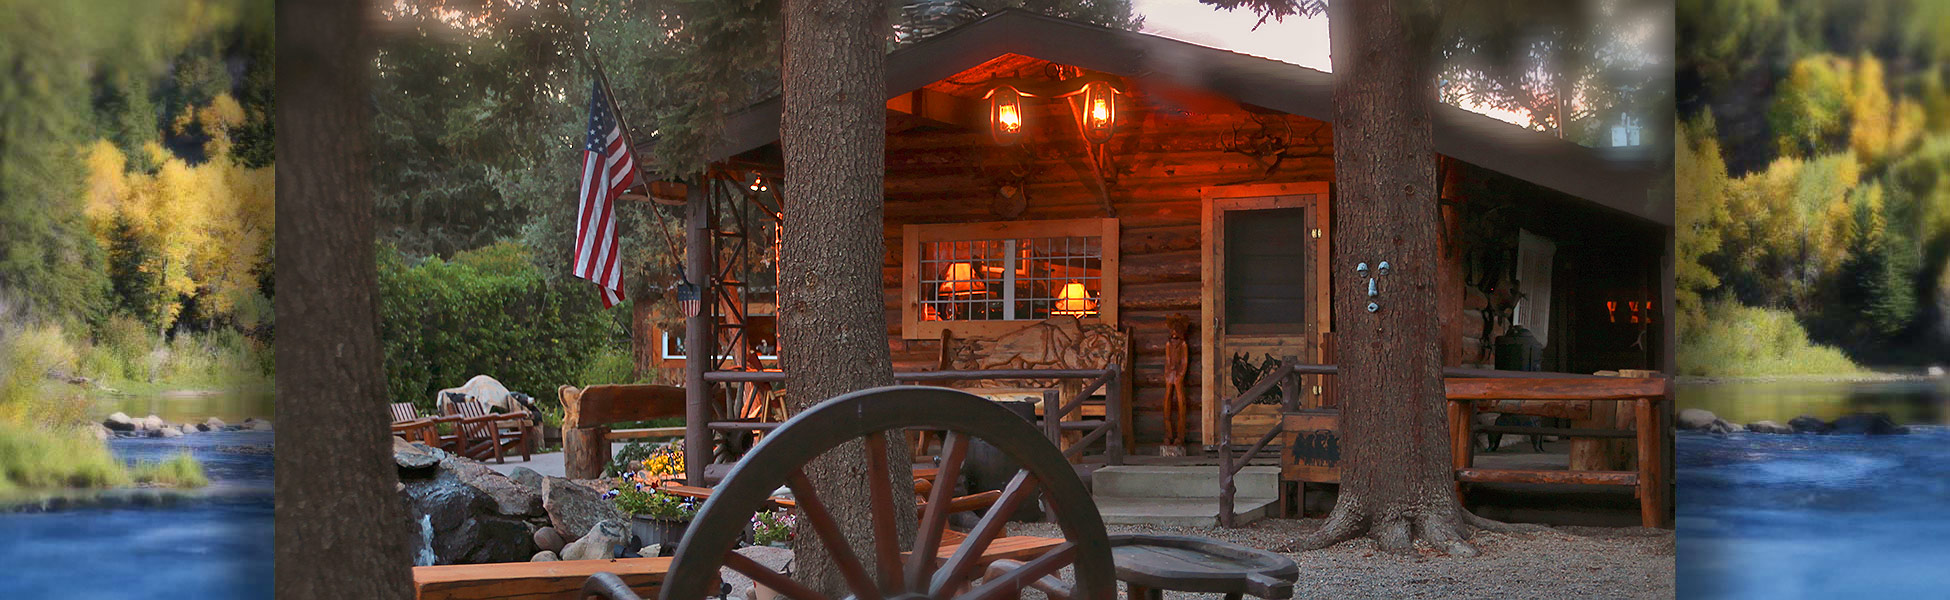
769	578
960	567
927	538
886	538
1012	583
829	536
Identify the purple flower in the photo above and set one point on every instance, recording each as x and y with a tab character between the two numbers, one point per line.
609	494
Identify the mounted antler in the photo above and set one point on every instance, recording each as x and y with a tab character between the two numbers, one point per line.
1266	147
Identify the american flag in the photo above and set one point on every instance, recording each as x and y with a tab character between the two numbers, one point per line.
608	168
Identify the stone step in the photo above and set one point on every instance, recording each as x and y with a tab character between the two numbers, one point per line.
1179	512
1160	481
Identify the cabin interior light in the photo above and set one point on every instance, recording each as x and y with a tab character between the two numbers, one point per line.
1075	301
959	280
1100	111
1005	115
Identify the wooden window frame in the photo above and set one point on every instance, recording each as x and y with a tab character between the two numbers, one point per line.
913	235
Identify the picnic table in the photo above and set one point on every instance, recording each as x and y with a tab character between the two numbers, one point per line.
1151	564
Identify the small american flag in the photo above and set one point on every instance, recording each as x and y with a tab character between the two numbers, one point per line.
608	168
689	301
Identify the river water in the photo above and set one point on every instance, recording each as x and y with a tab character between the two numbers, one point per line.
215	545
1814	516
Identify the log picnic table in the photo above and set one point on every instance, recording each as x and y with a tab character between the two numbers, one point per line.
1151	564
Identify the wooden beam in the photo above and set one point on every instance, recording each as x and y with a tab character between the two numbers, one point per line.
699	331
1595	388
1547	476
533	580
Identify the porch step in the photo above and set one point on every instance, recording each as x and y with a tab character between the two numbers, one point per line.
1165	481
1178	512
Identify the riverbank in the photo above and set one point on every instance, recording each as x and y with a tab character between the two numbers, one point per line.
1862	377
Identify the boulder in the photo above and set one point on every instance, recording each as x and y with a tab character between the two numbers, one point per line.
257	425
213	424
602	542
415	461
526	476
1696	419
1768	427
98	432
1809	424
776	559
1721	426
547	539
1868	424
573	508
168	432
153	423
120	422
544	556
510	498
466	525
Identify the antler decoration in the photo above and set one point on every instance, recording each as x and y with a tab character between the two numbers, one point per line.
1271	144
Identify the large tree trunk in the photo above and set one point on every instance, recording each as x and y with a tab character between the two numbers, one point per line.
831	320
1396	482
342	530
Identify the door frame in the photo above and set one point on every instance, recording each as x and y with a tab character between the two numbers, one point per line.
1215	201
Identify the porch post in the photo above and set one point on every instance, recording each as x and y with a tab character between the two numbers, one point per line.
699	334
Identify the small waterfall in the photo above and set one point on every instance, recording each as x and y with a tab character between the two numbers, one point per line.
425	558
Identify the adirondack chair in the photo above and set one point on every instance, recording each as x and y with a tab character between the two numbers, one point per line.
482	434
410	425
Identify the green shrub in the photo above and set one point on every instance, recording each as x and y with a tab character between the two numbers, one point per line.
1743	341
608	365
486	312
36	457
181	471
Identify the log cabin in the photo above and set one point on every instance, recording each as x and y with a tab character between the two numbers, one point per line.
1095	183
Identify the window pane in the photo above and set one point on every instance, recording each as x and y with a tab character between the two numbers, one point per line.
1265	269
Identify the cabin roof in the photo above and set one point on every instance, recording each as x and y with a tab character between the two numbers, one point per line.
1533	156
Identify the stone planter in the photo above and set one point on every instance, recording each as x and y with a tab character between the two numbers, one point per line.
651	530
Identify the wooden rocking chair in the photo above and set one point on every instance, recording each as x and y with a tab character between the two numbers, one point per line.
408	424
482	434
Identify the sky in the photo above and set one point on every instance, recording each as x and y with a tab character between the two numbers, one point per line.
1301	41
1297	40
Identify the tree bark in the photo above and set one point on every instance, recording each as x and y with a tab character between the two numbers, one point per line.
1396	480
831	319
342	530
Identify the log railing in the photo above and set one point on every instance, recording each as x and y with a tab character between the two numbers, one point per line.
1110	430
1290	370
1645	394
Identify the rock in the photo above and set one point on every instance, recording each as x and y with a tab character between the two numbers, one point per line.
547	539
415	461
257	425
168	432
651	551
120	422
1696	419
153	423
1868	424
573	508
213	424
526	476
510	498
1809	424
1768	427
776	559
97	431
467	526
544	556
601	543
1721	426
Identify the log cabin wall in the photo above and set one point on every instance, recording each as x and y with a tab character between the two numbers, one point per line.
1165	152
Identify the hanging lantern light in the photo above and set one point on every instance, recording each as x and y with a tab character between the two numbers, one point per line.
1005	115
1099	111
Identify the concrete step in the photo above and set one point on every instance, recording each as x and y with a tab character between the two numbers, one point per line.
1179	512
1161	481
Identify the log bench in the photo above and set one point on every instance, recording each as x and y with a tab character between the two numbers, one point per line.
587	414
1564	398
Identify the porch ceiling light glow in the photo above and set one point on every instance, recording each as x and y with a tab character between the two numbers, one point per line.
1075	301
1099	111
1005	115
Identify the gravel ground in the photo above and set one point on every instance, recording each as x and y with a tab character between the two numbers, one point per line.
1570	562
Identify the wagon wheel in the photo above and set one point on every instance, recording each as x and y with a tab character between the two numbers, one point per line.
869	415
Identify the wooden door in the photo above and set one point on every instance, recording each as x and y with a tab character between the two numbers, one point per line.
1264	295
